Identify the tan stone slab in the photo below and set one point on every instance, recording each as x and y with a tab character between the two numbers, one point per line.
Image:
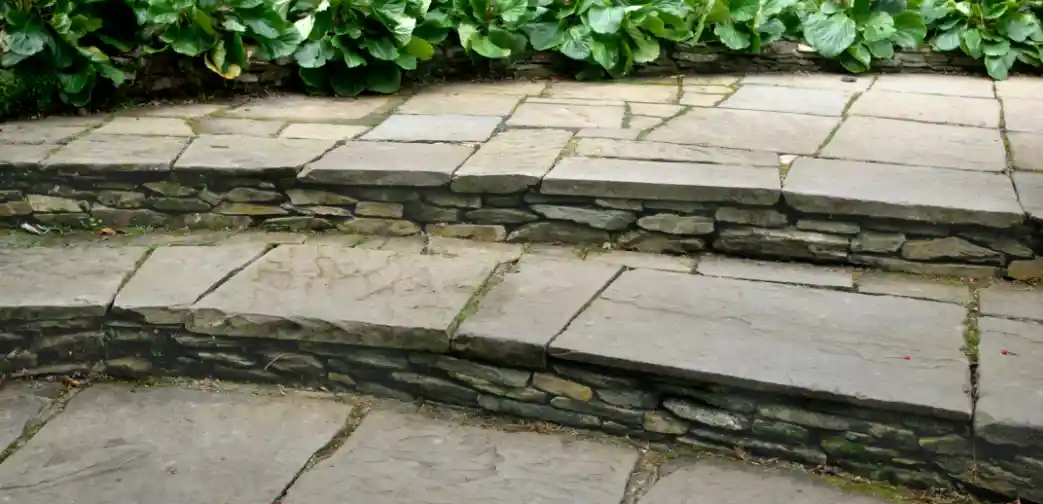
811	81
659	151
913	143
828	102
576	101
551	115
20	403
1023	115
1020	86
1030	193
440	103
701	100
642	260
747	129
654	109
310	109
42	131
649	93
952	85
893	284
1009	410
387	164
322	131
980	112
643	122
160	126
247	127
511	161
716	90
1005	299
236	153
117	153
507	87
622	134
709	80
185	111
457	247
435	128
24	155
1026	149
793	273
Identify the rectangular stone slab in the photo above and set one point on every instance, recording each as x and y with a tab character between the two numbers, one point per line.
173	278
62	283
170	446
511	161
619	178
1010	408
117	153
344	295
916	193
387	164
529	307
798	340
19	403
234	154
404	458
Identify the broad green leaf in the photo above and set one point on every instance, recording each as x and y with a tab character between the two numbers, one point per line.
732	37
996	67
830	35
888	6
188	39
881	49
880	26
546	35
744	10
963	8
381	48
772	8
486	48
353	59
910	30
204	20
406	61
605	53
310	55
861	54
73	82
347	82
1029	56
27	39
851	64
645	49
830	7
655	25
997	49
1020	26
995	10
947	40
383	79
971	43
577	43
513	42
117	76
466	32
605	20
10	59
718	11
262	27
512	11
232	24
420	48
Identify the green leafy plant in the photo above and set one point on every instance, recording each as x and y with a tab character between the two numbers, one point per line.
356	45
493	28
1001	32
747	25
864	30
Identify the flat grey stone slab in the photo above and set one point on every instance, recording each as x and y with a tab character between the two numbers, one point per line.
123	153
24	155
951	85
62	283
402	458
1011	300
809	81
435	128
660	151
1030	193
44	131
654	93
747	129
160	126
793	273
344	295
173	278
827	102
1023	115
387	164
1020	86
323	131
460	104
1026	150
799	340
521	314
914	193
245	127
713	480
980	112
1010	409
618	178
310	109
919	144
891	284
555	115
518	87
169	446
457	247
19	403
511	161
186	110
642	260
250	155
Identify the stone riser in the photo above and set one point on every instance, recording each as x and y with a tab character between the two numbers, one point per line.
779	231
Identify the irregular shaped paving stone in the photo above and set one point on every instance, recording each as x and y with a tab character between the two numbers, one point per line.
246	127
651	180
980	112
810	342
400	458
529	307
511	161
1023	115
344	295
1012	300
116	444
310	109
747	129
951	85
1030	193
19	403
914	193
1026	150
435	128
387	164
24	155
825	102
810	81
119	153
915	287
62	283
160	126
45	131
720	481
794	273
1009	410
920	144
655	93
323	131
551	115
173	278
659	151
459	104
250	155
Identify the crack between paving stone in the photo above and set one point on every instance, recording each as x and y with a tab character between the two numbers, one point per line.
644	475
586	305
126	278
972	337
235	271
38	421
475	301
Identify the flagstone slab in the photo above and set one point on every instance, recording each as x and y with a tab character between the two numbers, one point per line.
117	153
653	180
403	458
247	155
1026	150
1020	86
24	155
1030	193
651	93
1012	300
979	112
344	295
1023	115
323	131
933	195
511	161
185	110
950	85
311	109
793	273
918	144
166	445
62	283
19	403
508	87
173	278
661	151
435	128
387	164
747	129
1009	410
798	340
459	104
159	126
827	102
551	115
44	131
810	81
246	127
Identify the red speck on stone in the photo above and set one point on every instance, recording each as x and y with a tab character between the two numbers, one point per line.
1004	351
908	358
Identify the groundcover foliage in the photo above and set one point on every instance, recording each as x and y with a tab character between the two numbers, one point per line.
351	46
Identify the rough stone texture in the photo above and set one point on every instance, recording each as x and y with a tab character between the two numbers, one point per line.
880	243
511	161
1009	409
250	155
387	164
778	337
1023	115
812	81
62	283
551	115
783	243
23	156
121	153
303	108
146	126
621	134
950	85
794	273
334	294
612	178
659	151
173	278
979	112
920	144
949	248
641	260
463	464
19	403
752	217
614	91
784	99
529	307
746	129
1030	193
1012	300
914	287
676	224
46	131
247	127
459	104
910	193
114	444
323	131
435	128
1026	150
600	218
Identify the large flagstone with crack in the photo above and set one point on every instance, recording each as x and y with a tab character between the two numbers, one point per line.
345	295
747	129
812	342
113	444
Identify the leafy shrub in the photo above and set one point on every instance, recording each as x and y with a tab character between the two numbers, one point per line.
1001	32
747	25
